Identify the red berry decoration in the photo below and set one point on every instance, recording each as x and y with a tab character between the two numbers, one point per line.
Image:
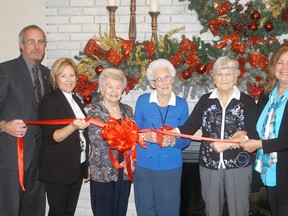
268	26
82	78
255	16
201	68
284	16
87	99
253	26
239	28
186	74
99	69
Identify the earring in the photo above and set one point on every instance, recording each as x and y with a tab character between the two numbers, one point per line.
101	97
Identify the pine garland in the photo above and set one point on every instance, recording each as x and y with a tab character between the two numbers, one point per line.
249	33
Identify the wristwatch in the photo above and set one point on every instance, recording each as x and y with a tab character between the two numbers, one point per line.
143	137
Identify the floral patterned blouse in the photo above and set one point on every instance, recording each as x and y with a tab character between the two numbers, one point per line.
101	168
221	123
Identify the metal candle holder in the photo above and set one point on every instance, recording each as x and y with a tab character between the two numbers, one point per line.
154	16
132	26
112	9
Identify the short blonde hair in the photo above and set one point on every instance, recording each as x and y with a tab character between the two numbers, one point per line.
112	73
58	67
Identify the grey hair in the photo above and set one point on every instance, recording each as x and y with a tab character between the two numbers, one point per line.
24	30
112	73
157	64
226	62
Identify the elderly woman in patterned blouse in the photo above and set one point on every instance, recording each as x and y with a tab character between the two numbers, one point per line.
109	186
224	167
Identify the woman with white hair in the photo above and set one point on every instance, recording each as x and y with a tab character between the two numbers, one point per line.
109	186
225	168
157	174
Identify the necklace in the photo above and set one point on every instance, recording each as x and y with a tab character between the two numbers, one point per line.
165	117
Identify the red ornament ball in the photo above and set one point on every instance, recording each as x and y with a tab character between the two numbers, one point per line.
82	78
99	69
284	16
253	26
186	74
255	16
201	68
268	26
87	99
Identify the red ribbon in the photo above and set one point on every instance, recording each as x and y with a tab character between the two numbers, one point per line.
236	46
215	24
192	137
20	154
258	60
114	56
122	137
150	48
128	132
127	47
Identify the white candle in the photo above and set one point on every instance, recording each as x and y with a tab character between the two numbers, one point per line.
153	5
111	2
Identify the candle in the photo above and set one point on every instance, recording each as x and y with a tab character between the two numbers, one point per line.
153	5
111	2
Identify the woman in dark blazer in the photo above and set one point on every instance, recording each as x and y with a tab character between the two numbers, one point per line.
64	154
272	154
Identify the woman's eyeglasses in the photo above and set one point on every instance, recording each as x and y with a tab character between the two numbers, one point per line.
163	79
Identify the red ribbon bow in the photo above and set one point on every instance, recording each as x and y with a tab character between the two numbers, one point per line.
119	136
122	137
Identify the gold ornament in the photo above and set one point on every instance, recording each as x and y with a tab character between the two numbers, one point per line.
274	6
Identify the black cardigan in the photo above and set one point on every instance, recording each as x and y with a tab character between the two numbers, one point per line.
207	115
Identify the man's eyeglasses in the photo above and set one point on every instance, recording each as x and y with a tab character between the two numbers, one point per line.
162	79
33	42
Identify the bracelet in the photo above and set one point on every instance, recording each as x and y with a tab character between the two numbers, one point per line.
2	126
143	137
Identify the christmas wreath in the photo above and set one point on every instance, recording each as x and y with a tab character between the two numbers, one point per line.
249	33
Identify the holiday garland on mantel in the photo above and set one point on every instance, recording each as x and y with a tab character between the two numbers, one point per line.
249	33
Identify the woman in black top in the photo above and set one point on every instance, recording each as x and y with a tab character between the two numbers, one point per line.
224	167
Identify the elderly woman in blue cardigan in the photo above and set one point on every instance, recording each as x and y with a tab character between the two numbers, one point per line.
157	174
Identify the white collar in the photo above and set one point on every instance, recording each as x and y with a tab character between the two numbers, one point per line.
68	96
153	98
236	94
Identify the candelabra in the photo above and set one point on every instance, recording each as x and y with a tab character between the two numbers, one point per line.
132	26
154	16
112	9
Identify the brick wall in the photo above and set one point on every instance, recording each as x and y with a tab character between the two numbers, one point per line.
70	23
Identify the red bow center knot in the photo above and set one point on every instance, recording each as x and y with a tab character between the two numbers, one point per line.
123	137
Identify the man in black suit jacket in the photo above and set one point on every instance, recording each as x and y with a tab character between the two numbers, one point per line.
18	103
